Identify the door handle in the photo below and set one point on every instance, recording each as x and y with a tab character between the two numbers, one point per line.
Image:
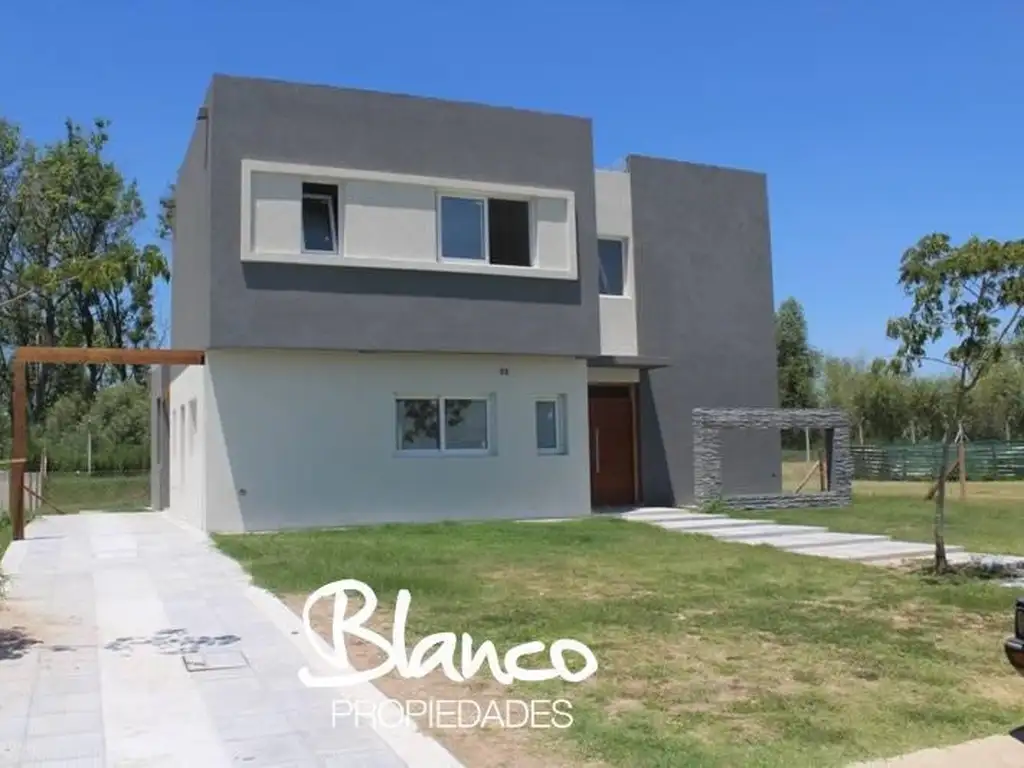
597	451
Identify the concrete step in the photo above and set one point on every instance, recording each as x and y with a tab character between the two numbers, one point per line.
767	530
646	513
823	540
673	516
707	523
876	551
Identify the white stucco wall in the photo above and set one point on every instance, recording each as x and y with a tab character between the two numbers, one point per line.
615	221
187	463
390	220
300	439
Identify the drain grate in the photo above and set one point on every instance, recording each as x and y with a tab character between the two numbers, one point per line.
207	662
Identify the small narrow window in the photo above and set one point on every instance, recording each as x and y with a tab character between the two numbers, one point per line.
463	228
550	421
193	423
612	258
181	444
320	218
508	224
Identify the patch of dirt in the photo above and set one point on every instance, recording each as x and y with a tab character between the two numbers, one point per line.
482	747
19	632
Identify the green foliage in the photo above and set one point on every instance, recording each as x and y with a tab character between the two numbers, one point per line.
969	297
796	360
889	406
715	507
71	270
115	425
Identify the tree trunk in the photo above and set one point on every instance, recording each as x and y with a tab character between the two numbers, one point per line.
939	522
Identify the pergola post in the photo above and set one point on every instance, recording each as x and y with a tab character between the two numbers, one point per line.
19	451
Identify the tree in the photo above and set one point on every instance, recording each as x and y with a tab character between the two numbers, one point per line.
972	295
796	360
71	270
880	397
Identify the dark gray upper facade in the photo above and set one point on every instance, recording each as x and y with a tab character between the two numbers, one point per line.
221	302
703	278
704	302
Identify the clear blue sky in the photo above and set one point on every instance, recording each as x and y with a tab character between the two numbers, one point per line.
876	122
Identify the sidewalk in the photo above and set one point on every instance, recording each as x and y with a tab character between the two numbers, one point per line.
993	752
127	640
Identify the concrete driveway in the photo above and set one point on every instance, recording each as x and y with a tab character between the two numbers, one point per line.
128	640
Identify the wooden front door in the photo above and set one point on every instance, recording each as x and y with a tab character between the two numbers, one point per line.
612	465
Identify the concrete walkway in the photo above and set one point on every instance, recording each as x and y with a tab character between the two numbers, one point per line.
799	539
993	752
127	640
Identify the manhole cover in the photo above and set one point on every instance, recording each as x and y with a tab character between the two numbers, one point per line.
205	662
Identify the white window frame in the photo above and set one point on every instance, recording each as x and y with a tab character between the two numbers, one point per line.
626	287
441	450
486	226
333	218
561	446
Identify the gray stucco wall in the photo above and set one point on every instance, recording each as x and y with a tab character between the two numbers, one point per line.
704	301
282	306
190	246
159	439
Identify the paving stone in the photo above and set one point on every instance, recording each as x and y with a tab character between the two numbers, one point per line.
57	684
270	751
111	688
766	531
66	703
802	541
10	751
65	723
706	526
63	747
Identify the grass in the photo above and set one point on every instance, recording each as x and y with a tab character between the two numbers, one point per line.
988	521
72	492
711	654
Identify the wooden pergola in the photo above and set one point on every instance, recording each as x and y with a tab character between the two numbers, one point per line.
66	355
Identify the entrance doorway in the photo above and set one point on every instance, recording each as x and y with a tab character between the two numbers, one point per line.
612	446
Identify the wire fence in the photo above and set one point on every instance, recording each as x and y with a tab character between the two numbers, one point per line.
985	460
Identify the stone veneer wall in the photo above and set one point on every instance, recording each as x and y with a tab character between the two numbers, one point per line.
708	424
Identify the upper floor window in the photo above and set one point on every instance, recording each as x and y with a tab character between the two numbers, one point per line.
463	228
320	218
493	230
612	277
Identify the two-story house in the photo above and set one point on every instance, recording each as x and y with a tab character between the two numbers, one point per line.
415	310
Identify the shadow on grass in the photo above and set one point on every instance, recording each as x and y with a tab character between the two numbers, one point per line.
15	642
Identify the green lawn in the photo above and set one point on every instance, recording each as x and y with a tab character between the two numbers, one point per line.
991	525
711	654
72	492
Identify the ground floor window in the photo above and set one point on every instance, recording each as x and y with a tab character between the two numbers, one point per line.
443	424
